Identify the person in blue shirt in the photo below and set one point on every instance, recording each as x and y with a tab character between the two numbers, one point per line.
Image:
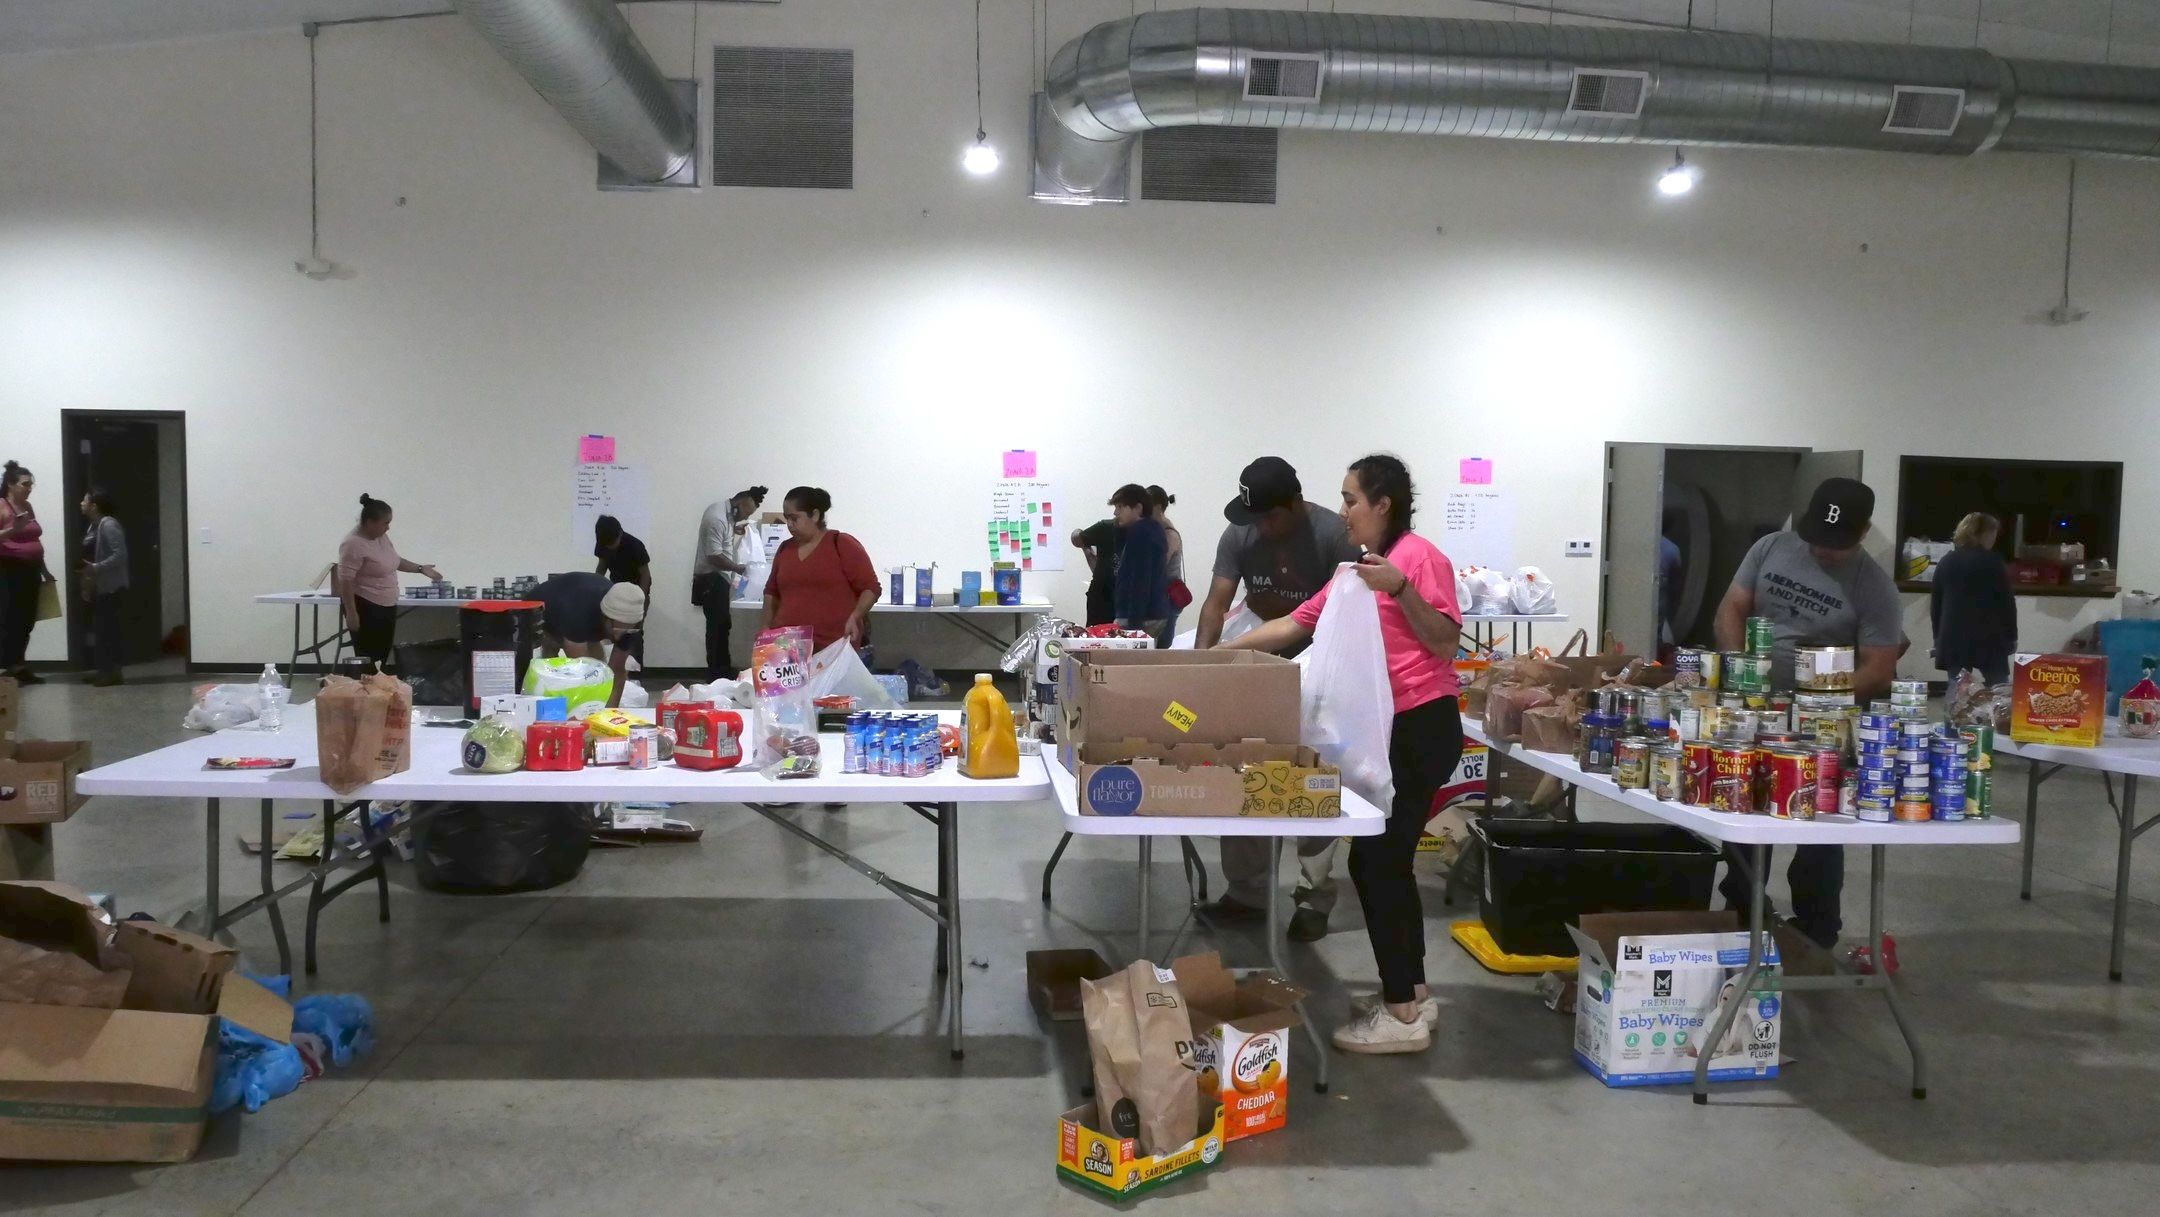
1142	597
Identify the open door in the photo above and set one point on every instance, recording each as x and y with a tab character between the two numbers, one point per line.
139	459
1813	468
1634	516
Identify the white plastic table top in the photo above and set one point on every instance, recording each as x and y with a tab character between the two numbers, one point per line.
2116	753
1532	617
1035	604
1758	830
326	600
437	772
1359	818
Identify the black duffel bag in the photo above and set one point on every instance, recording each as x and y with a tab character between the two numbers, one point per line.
500	847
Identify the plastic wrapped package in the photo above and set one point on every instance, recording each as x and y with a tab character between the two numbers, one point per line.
218	707
494	745
584	684
787	737
1532	593
1346	703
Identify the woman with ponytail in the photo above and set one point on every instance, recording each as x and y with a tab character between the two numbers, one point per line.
368	567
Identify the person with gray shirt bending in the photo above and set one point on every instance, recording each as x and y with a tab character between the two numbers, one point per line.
104	579
1818	590
1283	550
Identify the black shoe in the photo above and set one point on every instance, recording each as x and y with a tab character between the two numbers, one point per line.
24	676
1232	911
1308	925
105	682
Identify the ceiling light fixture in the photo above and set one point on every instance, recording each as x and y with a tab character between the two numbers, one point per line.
980	158
1679	179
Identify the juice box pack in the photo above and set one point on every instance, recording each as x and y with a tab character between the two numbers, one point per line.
2058	699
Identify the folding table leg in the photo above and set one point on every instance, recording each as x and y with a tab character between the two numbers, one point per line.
210	866
1147	860
2128	817
1282	969
1882	971
1050	867
269	885
2032	825
944	903
949	902
1756	861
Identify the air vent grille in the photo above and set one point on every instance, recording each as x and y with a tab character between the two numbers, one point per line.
1291	78
1921	110
1609	94
1209	164
783	117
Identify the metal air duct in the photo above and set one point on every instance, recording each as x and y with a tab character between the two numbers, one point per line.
1525	80
581	56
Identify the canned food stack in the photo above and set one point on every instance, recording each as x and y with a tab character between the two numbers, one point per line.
1949	770
1915	739
1874	767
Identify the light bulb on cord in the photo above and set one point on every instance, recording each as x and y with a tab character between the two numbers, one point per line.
980	158
1679	179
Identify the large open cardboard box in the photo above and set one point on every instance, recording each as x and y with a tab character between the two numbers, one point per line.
37	780
1175	697
1649	986
1241	1029
1247	778
1114	1166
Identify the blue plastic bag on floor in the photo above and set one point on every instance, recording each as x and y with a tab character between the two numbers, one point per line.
342	1022
328	1029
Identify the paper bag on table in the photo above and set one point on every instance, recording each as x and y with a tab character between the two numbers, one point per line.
1551	728
1505	708
363	730
1591	670
1140	1041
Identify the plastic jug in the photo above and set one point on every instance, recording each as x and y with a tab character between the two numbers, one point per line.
989	747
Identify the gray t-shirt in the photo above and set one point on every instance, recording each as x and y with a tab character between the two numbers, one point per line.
1853	604
1279	576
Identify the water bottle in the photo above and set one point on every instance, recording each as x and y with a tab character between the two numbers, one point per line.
274	695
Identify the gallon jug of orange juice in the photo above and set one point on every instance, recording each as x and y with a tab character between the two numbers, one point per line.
989	747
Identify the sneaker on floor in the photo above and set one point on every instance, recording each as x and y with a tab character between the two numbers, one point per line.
24	676
104	682
1227	910
1428	1009
1308	925
1376	1032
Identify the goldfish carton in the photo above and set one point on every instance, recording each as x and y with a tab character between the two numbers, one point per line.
1241	1036
2058	699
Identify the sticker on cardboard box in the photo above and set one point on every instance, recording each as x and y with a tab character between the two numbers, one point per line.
1180	717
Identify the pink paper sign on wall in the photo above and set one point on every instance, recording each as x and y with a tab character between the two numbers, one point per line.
1019	463
596	450
1476	471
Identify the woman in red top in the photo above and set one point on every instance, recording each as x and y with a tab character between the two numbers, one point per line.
821	578
1420	628
22	572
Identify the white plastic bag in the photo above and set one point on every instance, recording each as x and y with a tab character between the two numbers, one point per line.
220	706
750	551
1347	705
634	696
839	670
1491	594
1236	623
1532	593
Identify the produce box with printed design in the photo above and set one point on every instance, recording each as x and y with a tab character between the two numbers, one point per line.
2058	699
37	780
1648	988
1115	1167
1247	778
1175	697
1241	1037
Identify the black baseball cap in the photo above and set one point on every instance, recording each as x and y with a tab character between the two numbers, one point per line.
1266	484
1837	515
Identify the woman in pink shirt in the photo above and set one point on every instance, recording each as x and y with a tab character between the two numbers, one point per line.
1420	626
23	574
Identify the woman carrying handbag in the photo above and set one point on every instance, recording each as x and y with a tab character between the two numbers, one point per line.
27	592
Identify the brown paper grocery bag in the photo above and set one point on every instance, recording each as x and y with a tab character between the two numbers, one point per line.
1551	729
363	730
1587	670
1140	1041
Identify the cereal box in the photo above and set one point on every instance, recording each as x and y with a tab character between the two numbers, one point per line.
2058	699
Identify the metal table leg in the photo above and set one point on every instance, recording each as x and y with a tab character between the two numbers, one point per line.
210	866
1755	859
2127	817
949	907
294	666
269	887
2032	825
1282	969
1050	867
1889	986
1147	858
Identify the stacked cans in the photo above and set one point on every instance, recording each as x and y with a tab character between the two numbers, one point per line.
1875	767
1915	777
1949	772
1909	698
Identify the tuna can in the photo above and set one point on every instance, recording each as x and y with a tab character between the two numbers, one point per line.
1909	690
1631	763
1948	802
1873	811
1666	772
1698	773
1792	784
1733	778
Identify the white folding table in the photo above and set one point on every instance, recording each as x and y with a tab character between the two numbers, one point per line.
1484	631
437	773
1755	835
1359	819
314	602
970	619
2132	758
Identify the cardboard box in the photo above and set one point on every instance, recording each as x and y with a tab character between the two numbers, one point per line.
1115	1167
1649	986
10	707
1241	1033
37	780
2058	699
26	851
1175	697
1249	778
1053	980
1049	656
125	1085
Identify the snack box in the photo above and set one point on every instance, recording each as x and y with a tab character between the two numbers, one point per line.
1115	1167
1241	1040
1248	778
2058	699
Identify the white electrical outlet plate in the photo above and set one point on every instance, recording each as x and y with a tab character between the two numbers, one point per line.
1581	549
203	534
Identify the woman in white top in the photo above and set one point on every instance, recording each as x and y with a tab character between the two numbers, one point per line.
368	567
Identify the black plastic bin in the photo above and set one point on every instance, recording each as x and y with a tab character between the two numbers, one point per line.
1541	875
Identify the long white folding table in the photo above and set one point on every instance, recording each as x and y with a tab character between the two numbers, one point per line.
970	619
312	603
2132	758
1755	835
437	774
1359	819
1484	629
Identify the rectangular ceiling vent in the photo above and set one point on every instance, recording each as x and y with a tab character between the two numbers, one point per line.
1925	110
1283	77
1209	164
783	117
1608	93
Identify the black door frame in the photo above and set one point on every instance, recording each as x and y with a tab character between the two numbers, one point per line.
72	488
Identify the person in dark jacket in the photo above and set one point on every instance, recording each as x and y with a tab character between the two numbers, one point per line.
1143	565
104	580
1971	605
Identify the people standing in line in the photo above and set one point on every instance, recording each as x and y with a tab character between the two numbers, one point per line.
104	579
1174	562
584	615
23	574
822	578
1971	604
1143	565
368	567
712	577
1283	550
1818	589
1098	543
1420	629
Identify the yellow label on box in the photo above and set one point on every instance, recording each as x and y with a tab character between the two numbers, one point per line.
1180	717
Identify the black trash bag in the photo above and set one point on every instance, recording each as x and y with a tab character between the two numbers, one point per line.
436	672
500	847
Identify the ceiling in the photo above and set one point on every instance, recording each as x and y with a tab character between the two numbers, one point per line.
51	25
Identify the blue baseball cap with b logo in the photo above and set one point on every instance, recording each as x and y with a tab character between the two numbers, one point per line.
1838	514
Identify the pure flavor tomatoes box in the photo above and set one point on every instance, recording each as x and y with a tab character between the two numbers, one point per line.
1174	697
1248	778
1241	1037
2058	699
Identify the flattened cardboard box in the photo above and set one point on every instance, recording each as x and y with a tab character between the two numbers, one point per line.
1245	779
1648	990
1241	1030
1175	697
1115	1167
37	780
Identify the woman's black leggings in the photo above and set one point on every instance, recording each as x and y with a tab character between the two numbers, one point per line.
20	582
1427	743
374	636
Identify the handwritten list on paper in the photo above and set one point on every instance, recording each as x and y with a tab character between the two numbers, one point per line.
1477	528
608	490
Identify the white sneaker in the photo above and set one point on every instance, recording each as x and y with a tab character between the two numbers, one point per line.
1428	1009
1377	1032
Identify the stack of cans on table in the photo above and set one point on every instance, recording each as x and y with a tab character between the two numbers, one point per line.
1915	777
1949	772
1875	772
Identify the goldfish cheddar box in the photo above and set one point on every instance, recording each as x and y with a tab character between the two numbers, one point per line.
1241	1040
2058	699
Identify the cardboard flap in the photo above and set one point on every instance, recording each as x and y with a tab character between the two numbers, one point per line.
1204	980
53	917
46	752
1180	659
175	972
1599	934
247	1003
130	1051
1262	1001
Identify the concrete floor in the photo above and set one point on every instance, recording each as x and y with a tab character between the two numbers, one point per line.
745	1025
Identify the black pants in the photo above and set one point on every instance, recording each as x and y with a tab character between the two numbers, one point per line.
1428	741
106	651
719	623
19	584
375	634
1817	878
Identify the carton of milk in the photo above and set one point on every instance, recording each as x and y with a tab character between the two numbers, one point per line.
1649	985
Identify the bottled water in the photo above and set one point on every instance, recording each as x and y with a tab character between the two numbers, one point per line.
274	696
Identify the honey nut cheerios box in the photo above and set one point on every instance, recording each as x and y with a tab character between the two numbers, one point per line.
2058	699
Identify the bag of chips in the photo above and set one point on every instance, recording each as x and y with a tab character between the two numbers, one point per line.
787	745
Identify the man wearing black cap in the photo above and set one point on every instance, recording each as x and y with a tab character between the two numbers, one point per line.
1818	590
1284	550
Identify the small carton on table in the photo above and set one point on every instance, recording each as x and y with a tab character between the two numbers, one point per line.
2058	699
37	780
1115	1167
1649	985
1241	1034
1248	778
1174	697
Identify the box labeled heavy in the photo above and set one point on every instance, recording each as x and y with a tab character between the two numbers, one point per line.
1115	1167
1248	778
1175	697
2058	699
1649	985
37	780
1241	1037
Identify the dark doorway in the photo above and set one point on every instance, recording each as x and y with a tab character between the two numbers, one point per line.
140	459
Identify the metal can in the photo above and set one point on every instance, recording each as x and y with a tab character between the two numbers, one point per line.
1740	673
1666	770
1612	703
1912	811
1948	802
1687	723
1698	773
1871	810
1979	746
1829	780
1792	784
1979	794
1761	636
1694	668
1823	669
644	747
1737	725
1733	778
1650	705
1908	690
1631	763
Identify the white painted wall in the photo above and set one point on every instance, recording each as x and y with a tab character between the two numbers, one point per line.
886	342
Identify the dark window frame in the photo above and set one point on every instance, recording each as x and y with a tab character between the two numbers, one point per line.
1930	503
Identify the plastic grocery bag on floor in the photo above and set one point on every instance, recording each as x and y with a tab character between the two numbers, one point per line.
839	671
1347	705
220	706
1532	593
579	682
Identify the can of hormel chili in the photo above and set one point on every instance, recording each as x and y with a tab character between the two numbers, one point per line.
1792	784
1732	785
1698	770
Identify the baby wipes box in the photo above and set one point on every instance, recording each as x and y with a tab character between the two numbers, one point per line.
1649	989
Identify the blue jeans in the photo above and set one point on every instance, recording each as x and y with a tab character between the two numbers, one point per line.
1817	878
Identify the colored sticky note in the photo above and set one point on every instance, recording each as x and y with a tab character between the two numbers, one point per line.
1180	717
1019	463
1031	509
1046	519
1042	538
1027	564
1476	471
596	449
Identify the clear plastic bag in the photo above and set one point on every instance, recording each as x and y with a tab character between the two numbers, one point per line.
787	738
839	670
220	706
1236	623
1347	704
1532	593
634	696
